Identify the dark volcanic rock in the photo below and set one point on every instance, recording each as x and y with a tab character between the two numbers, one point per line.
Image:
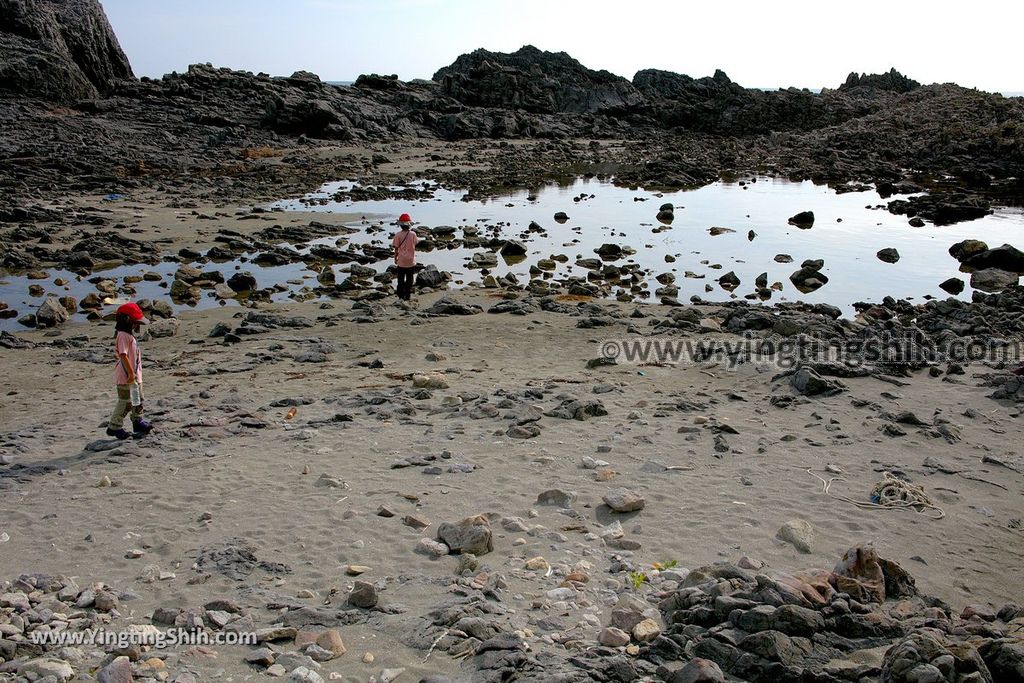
893	81
889	255
965	249
804	219
61	50
953	285
808	278
942	209
1006	257
535	81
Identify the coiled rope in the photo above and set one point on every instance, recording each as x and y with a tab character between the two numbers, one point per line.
892	493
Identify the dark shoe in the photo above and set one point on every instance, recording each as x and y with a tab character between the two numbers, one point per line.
121	433
143	427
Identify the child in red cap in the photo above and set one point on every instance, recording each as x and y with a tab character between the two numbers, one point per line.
128	373
405	256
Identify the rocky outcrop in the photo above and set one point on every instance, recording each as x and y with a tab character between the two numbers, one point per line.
535	81
59	50
716	104
893	81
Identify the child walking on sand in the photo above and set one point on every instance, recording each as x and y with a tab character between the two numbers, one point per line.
128	373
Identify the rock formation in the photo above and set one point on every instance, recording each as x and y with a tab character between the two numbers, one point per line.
60	50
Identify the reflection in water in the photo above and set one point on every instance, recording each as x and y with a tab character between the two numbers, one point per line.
686	240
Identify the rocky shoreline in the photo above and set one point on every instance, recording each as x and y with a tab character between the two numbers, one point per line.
476	487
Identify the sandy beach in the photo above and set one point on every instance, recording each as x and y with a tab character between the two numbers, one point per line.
227	464
700	382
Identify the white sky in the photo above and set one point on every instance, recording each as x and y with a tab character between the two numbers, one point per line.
759	44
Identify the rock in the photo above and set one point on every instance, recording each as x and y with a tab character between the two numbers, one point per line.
1005	660
942	208
168	327
41	668
330	481
809	383
609	252
921	657
304	674
331	641
513	248
953	285
613	637
118	671
1006	257
623	500
993	279
430	380
729	281
698	670
471	535
962	251
60	51
415	522
363	595
808	278
223	292
447	306
804	219
243	282
182	292
429	277
799	533
105	601
859	574
888	255
562	499
51	313
431	548
647	630
527	431
262	656
572	409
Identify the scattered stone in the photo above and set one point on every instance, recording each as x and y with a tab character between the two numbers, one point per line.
471	535
363	595
613	637
562	499
888	255
799	533
624	500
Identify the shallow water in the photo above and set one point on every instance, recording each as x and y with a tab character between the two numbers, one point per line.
846	234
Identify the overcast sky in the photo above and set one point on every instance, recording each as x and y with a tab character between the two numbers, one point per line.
759	44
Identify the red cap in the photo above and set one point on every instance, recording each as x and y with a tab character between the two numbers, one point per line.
132	310
405	218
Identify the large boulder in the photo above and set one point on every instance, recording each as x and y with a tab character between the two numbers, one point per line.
993	279
430	277
965	249
51	313
59	50
1006	258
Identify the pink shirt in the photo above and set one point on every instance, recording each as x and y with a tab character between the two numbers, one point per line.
127	344
405	248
